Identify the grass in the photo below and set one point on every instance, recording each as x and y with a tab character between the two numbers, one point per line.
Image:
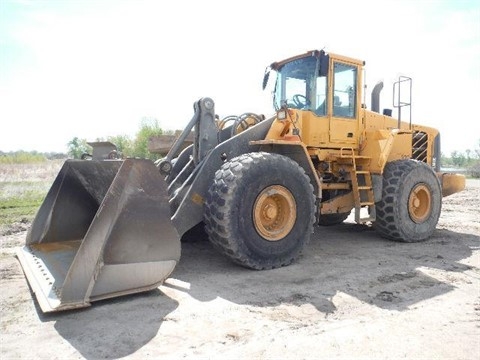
19	203
23	188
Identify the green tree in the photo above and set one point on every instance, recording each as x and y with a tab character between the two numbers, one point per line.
446	161
474	165
148	127
123	143
458	158
77	147
477	151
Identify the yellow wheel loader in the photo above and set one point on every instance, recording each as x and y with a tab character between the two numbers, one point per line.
111	227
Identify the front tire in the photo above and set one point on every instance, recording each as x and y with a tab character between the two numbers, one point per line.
411	201
260	210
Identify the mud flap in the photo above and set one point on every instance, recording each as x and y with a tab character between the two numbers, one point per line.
104	230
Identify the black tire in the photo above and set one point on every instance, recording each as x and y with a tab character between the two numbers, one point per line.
411	201
332	219
237	198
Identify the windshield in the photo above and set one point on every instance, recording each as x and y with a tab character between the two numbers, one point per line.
299	87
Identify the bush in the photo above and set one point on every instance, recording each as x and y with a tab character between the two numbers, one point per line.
21	157
474	170
55	156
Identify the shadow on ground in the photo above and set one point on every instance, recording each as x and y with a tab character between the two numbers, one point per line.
102	332
347	258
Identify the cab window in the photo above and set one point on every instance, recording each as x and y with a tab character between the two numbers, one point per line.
344	94
321	96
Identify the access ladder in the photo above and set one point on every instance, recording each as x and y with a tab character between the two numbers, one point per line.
362	187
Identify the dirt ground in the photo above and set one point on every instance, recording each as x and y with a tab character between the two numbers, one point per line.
352	294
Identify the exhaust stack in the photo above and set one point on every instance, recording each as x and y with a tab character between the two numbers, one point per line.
376	96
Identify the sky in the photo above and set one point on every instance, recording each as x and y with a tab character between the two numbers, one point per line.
93	69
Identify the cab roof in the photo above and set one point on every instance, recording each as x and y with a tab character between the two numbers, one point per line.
316	53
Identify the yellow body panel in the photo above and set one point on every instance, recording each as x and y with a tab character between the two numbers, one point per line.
314	130
402	146
317	131
377	144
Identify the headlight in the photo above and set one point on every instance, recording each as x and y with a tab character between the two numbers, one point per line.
281	114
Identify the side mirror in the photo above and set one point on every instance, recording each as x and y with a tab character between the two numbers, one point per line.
265	77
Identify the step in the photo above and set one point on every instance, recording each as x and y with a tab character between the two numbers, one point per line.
350	156
364	188
367	219
367	203
361	157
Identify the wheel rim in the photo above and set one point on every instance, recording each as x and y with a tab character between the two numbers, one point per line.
274	213
420	203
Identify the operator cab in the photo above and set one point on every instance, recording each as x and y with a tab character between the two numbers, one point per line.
324	86
302	83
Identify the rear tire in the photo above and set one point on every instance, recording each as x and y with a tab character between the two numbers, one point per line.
260	210
411	201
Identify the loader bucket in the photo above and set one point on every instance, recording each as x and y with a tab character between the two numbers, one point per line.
104	230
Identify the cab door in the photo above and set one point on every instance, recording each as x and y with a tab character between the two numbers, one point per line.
343	109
